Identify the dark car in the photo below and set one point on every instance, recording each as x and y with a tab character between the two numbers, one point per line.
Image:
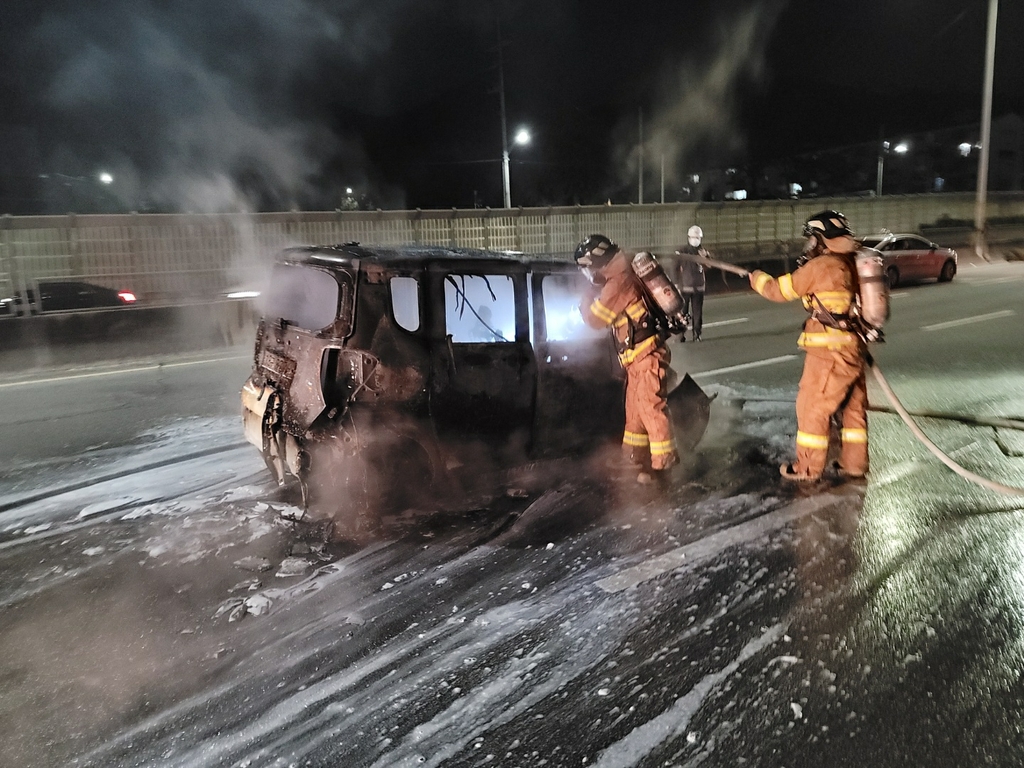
380	372
65	296
912	258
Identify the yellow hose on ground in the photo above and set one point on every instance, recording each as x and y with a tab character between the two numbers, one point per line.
1007	490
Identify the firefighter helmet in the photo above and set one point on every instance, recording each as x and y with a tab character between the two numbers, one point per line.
828	224
595	252
826	230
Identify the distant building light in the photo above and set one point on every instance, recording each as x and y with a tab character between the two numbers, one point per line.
901	148
965	149
739	194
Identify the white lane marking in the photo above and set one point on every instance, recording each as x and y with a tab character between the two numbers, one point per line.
744	366
704	549
119	371
726	322
969	320
995	280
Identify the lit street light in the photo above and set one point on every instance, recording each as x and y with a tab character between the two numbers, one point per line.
523	137
884	149
106	178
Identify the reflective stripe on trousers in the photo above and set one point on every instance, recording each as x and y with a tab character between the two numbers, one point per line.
647	415
830	382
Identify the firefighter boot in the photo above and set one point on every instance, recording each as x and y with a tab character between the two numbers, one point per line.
791	473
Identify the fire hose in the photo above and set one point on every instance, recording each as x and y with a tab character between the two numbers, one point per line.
903	413
1007	490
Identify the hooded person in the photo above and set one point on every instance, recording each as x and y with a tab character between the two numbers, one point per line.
833	378
647	439
692	280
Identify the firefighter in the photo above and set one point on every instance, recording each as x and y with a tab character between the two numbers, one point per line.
647	439
692	280
834	364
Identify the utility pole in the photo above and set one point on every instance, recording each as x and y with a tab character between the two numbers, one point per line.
506	185
980	225
640	160
882	149
662	178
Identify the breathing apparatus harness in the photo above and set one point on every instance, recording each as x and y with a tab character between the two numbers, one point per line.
662	314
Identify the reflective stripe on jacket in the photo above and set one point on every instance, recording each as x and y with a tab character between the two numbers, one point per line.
828	281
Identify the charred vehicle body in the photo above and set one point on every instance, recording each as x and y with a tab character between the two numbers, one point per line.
381	373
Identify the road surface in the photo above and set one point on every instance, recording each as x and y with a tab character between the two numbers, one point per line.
162	609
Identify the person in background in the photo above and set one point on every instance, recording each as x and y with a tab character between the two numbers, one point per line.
691	280
833	378
647	440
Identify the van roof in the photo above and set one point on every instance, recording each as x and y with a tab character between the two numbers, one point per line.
350	252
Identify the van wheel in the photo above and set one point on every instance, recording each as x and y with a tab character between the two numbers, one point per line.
948	270
892	276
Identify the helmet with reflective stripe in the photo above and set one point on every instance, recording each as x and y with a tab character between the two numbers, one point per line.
596	251
828	224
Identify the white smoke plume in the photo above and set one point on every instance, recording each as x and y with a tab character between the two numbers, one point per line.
219	94
696	117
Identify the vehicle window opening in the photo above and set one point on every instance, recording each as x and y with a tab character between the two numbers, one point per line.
491	316
405	302
562	318
304	297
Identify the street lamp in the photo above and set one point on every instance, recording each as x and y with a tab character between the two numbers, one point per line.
105	178
884	149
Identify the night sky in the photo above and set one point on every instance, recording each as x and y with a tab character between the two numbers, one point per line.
211	105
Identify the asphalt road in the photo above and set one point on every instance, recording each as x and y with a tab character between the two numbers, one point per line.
161	610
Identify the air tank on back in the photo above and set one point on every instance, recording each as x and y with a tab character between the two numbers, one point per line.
660	289
874	288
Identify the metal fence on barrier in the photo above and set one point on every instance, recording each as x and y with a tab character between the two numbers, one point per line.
170	258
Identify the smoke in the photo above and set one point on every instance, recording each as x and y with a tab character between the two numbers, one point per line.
696	120
207	106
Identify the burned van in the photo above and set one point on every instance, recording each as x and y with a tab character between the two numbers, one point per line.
381	373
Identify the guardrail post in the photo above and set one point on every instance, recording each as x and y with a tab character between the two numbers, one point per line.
549	237
74	252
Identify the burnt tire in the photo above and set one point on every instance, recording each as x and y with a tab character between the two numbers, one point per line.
892	277
947	272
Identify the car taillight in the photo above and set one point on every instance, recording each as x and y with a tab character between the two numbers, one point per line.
127	297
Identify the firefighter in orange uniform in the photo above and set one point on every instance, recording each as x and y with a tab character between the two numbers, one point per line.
647	440
833	378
